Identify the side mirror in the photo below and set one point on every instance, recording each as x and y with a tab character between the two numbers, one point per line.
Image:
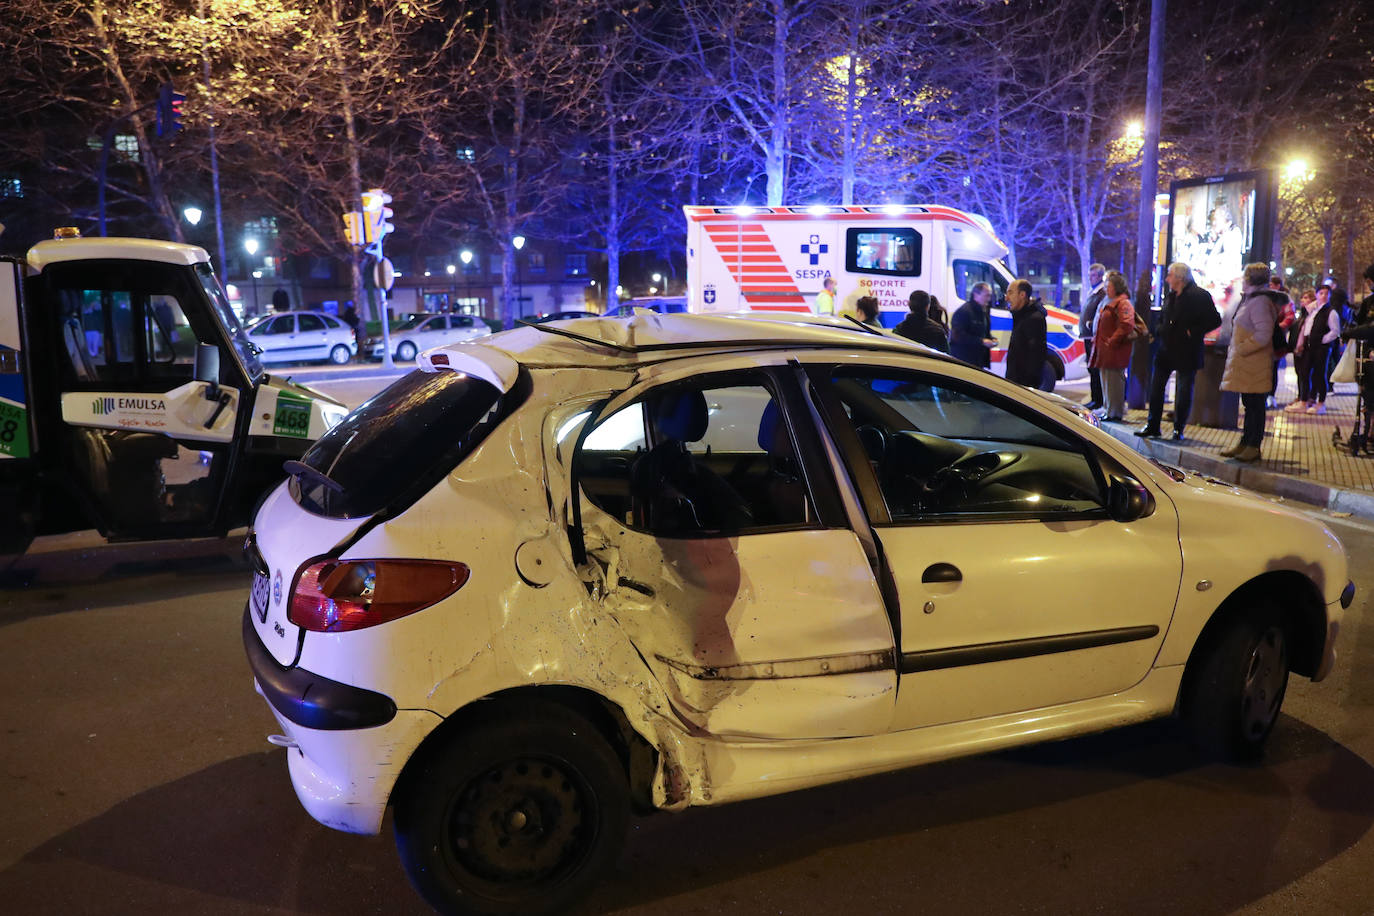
207	363
1128	499
207	368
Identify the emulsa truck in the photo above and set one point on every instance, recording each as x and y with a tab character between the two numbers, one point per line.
130	400
777	258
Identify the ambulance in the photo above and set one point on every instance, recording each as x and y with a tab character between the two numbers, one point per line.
130	400
771	259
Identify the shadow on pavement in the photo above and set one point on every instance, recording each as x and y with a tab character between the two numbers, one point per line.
1120	823
231	838
1117	823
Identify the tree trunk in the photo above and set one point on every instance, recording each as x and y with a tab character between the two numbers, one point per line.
850	91
775	162
613	220
1350	258
1059	281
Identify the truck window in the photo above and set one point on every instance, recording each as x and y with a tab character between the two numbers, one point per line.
895	252
97	330
168	337
967	273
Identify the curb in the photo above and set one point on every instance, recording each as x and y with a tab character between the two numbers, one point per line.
1359	503
337	375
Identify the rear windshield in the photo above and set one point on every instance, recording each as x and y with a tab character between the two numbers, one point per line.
405	438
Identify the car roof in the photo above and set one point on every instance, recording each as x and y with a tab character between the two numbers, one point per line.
650	337
53	251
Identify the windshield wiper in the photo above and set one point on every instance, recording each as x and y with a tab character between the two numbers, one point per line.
301	469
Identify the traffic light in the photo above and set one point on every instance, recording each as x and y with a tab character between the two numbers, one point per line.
378	214
354	228
169	110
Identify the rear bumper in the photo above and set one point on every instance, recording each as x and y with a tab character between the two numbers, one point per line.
308	699
343	771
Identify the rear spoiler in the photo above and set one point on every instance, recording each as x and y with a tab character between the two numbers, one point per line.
486	363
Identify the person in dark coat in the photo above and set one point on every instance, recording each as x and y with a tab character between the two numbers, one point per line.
970	333
1188	314
1026	349
938	314
919	326
1087	324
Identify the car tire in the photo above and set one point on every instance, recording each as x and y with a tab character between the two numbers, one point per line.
339	355
521	813
405	352
1235	684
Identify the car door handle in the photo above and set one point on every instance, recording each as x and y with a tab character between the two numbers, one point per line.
942	572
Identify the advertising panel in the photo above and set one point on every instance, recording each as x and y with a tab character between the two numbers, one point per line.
1219	224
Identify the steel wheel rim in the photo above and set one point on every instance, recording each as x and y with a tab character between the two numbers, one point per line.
521	823
1264	682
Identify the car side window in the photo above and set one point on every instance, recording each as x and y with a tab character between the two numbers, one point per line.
460	321
331	323
168	339
310	323
282	324
696	459
942	451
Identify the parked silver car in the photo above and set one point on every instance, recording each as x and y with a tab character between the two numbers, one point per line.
288	337
421	332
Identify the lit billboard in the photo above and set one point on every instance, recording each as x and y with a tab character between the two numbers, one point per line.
1219	224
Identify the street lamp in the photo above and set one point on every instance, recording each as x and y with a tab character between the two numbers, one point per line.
466	257
1297	170
250	245
519	243
193	215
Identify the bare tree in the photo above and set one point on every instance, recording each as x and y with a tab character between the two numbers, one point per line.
502	147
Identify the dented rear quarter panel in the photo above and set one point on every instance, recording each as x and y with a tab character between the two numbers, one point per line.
500	631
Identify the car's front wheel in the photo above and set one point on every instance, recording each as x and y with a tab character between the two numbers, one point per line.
520	814
1235	685
406	351
339	355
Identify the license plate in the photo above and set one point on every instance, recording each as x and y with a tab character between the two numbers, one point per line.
262	590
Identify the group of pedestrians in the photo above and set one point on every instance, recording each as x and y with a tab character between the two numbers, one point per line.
1257	332
967	334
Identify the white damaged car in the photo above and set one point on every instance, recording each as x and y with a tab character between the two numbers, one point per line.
596	565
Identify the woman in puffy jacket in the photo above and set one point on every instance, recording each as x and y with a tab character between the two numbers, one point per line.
1112	344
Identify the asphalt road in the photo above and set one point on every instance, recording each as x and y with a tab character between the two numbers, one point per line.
137	779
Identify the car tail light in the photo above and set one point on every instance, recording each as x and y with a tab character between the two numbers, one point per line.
335	596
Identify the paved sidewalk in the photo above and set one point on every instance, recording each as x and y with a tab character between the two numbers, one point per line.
1298	460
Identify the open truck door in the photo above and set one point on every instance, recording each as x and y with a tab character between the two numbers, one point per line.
141	438
138	407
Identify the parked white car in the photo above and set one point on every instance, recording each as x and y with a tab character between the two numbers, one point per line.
420	332
290	337
682	560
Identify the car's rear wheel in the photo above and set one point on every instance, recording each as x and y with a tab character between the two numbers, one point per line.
339	355
1235	685
520	814
406	351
